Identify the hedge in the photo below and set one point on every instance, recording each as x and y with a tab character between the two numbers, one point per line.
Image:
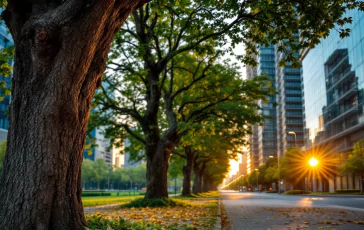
347	190
96	194
271	191
296	192
93	191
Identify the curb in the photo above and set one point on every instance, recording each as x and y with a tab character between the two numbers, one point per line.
218	218
335	196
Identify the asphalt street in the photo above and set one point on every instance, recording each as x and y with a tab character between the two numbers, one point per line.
275	211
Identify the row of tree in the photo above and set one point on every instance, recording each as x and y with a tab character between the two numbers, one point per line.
170	91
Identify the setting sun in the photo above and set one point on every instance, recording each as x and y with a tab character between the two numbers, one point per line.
313	162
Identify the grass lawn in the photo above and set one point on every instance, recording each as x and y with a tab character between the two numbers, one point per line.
115	198
196	212
124	197
97	200
213	194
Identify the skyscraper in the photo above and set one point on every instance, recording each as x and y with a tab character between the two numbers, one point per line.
283	123
253	147
101	147
289	105
267	134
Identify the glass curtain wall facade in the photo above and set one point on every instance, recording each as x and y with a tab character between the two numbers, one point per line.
289	106
333	79
101	147
5	42
267	134
253	148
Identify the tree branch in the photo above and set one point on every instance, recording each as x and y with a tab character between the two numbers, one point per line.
133	134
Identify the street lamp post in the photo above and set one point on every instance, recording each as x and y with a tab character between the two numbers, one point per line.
256	172
295	138
240	183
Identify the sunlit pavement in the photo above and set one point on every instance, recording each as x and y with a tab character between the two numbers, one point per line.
269	211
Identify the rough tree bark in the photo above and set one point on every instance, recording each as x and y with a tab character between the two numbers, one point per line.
187	171
157	172
60	53
158	148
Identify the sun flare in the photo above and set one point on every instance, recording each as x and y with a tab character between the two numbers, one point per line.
313	162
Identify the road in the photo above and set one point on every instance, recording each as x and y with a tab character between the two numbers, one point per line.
274	211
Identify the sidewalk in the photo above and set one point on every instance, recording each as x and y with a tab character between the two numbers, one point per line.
259	218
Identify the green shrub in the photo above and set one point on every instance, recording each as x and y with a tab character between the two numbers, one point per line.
273	191
93	191
347	190
296	192
169	192
84	194
162	202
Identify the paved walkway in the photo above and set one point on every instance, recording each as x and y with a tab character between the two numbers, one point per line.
259	211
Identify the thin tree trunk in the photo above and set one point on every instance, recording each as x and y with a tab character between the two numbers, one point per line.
196	188
207	183
60	52
187	171
198	171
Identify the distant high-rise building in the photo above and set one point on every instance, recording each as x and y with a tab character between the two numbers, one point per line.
101	149
243	163
128	163
267	134
333	80
118	158
283	123
5	41
253	148
289	105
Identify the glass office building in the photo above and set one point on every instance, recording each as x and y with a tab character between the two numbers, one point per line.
289	106
101	147
253	147
333	82
5	42
267	134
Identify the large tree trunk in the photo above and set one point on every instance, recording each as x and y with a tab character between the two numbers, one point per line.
157	171
60	53
158	149
187	171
